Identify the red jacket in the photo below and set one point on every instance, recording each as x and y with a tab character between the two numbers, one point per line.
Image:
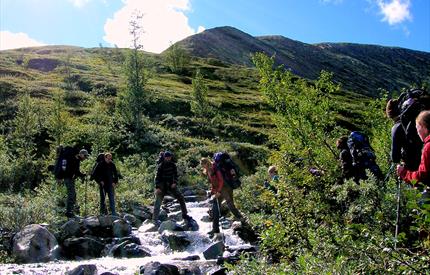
216	179
423	172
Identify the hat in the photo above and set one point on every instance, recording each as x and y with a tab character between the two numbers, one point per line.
168	154
392	110
84	152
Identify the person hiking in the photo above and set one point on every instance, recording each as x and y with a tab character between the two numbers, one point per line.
106	175
166	181
220	192
71	161
345	159
401	150
422	174
272	171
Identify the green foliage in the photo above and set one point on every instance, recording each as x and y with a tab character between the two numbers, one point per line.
177	58
200	105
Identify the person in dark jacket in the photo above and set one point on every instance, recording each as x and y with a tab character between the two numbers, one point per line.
166	181
72	170
106	175
402	150
345	159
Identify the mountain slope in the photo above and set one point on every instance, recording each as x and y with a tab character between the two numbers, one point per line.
361	68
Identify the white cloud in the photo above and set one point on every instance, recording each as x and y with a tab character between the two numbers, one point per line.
395	11
79	3
201	29
163	23
9	40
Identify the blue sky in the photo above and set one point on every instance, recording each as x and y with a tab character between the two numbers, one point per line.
87	23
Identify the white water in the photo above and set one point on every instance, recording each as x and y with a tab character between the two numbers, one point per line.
151	241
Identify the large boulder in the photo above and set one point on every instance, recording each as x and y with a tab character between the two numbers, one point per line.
169	225
159	269
82	248
214	251
121	228
35	244
70	229
177	241
129	250
87	269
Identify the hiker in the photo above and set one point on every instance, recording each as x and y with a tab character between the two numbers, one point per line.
220	192
106	175
422	174
273	176
345	159
72	160
401	150
166	181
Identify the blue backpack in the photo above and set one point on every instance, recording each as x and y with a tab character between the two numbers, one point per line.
228	168
363	156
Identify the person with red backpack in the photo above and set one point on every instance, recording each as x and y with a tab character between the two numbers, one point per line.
220	191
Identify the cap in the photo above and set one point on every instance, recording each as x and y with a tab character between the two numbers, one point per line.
84	152
168	154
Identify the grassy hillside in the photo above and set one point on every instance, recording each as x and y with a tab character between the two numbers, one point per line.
360	68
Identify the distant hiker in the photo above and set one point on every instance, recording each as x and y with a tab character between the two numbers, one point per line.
67	169
422	174
106	175
166	181
402	150
345	158
273	177
220	192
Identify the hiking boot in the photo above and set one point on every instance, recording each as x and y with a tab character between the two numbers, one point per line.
187	218
218	237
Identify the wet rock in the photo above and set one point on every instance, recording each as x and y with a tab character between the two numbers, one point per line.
214	251
88	269
191	198
142	213
106	220
91	222
129	250
190	225
147	226
70	229
108	273
121	228
84	247
191	270
35	244
168	199
189	258
218	271
245	232
159	269
177	241
169	225
132	220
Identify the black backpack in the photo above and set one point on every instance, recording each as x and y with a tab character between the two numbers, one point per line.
100	158
228	168
410	104
63	154
363	156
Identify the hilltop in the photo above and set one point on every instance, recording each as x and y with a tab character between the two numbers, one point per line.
360	68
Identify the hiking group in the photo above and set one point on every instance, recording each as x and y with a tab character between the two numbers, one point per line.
410	151
410	144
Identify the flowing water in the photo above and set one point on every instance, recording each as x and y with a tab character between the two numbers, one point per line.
160	252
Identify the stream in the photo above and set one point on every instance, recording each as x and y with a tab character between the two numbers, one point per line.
159	250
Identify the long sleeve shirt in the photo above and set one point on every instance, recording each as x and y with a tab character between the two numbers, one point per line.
423	173
167	173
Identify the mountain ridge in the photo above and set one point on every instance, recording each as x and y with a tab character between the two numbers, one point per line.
363	68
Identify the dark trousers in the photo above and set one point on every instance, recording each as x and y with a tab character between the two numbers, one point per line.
107	189
71	195
167	190
227	195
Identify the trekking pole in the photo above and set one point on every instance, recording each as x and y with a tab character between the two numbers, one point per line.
389	172
85	195
220	225
398	212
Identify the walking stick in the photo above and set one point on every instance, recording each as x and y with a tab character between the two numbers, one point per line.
398	212
85	195
220	226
